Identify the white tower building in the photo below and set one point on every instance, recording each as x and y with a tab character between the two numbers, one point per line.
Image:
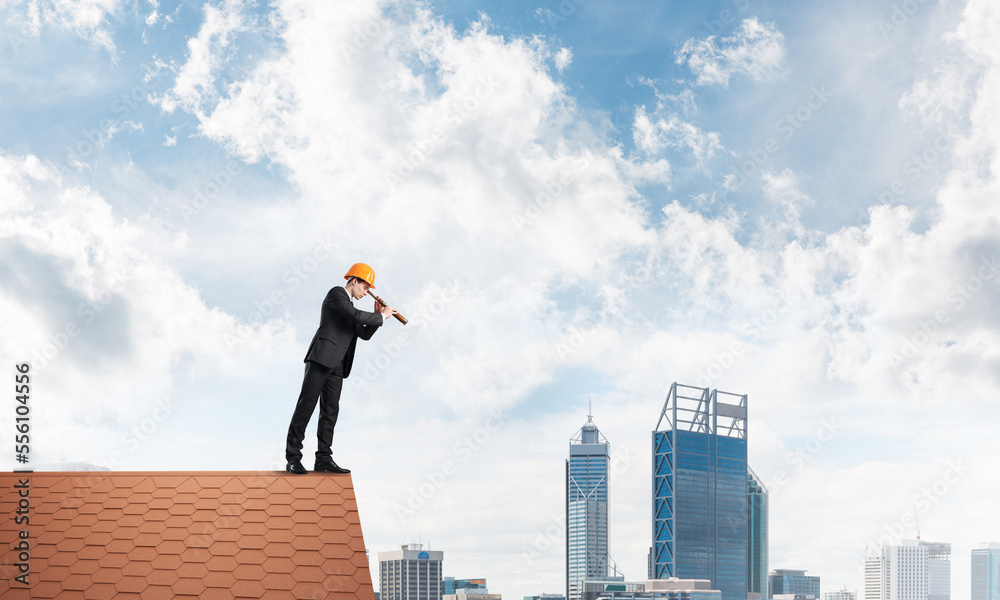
586	508
912	570
410	573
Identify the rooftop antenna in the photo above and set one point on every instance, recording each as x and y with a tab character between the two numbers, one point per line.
590	409
916	521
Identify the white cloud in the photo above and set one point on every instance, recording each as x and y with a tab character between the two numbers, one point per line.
653	134
13	171
939	97
449	117
154	15
652	171
783	187
756	49
682	102
88	19
783	190
195	83
563	58
108	329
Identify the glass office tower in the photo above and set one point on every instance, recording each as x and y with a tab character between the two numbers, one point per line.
986	572
586	508
938	570
700	489
756	535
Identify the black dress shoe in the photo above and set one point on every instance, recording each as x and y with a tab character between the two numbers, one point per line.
330	467
295	466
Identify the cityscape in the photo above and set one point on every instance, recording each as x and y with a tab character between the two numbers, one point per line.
701	298
710	528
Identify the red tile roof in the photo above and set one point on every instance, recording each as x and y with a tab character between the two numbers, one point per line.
212	535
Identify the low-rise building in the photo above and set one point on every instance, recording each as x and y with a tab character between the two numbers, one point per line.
471	594
792	581
842	594
452	585
670	589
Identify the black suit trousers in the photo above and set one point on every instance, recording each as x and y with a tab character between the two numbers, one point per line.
323	384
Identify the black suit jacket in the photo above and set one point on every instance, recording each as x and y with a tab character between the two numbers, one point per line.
340	326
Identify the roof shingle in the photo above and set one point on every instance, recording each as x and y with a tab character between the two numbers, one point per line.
224	535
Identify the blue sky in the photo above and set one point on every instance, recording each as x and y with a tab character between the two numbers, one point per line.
570	202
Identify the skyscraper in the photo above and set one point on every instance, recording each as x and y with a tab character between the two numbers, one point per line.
700	489
986	572
756	535
938	570
586	508
897	572
410	573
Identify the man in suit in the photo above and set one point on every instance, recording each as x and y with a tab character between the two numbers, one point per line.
328	363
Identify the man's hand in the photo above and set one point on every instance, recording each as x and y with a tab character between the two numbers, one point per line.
387	311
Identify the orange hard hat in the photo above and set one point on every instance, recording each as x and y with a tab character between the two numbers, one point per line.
362	271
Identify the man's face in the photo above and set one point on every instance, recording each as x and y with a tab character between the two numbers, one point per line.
360	288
